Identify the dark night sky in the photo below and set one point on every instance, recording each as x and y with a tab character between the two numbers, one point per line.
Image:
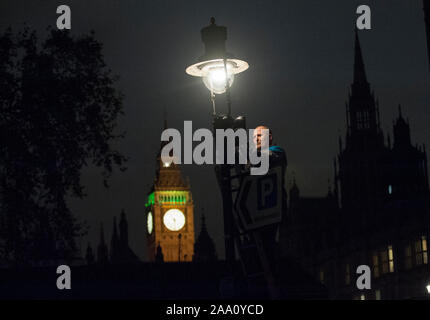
300	55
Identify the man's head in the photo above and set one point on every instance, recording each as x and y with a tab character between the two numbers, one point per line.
258	136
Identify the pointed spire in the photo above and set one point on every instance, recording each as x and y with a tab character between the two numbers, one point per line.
400	111
114	244
359	70
102	250
204	247
102	234
402	135
362	104
159	257
168	174
123	231
79	251
89	257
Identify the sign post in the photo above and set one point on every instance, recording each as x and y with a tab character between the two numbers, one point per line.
258	205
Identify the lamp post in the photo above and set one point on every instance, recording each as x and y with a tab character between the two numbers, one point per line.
218	68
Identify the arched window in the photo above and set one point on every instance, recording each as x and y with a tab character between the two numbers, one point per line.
363	119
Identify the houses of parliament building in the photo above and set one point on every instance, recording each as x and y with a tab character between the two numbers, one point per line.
377	213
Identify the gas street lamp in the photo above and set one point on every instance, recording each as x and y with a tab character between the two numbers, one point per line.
216	67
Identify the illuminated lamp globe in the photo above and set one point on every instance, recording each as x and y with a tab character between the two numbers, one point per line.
214	75
211	67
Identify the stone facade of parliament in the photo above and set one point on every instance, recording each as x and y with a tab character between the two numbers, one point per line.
377	213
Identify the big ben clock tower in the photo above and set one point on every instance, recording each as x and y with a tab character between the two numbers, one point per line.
169	213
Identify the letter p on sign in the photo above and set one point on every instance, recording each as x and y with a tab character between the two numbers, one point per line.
267	192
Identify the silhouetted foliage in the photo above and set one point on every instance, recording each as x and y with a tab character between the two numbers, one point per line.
58	111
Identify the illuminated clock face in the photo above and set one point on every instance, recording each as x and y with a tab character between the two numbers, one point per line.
149	222
174	219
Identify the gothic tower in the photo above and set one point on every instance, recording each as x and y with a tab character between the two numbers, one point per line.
204	248
102	249
89	256
409	163
123	231
370	174
364	132
170	214
120	251
114	243
361	161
